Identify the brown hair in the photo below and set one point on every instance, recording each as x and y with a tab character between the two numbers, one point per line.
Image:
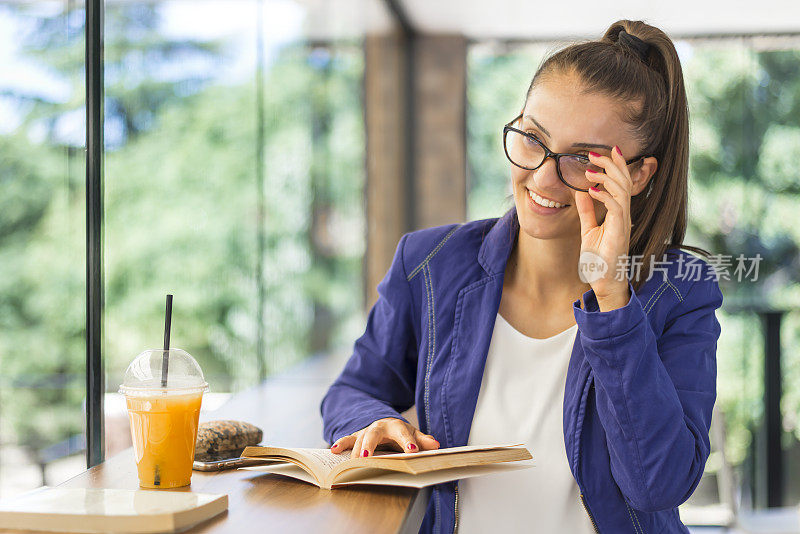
653	102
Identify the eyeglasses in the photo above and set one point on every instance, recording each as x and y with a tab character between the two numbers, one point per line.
526	151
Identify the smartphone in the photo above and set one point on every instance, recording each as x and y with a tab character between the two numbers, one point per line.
225	460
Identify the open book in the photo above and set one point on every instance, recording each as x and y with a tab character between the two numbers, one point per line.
328	470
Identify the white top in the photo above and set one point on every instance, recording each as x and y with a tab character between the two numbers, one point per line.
521	401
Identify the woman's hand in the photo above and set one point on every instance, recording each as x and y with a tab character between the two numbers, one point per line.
609	242
388	430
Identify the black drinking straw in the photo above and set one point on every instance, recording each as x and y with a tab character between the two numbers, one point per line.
165	355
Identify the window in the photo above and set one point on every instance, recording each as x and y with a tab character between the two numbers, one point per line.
233	179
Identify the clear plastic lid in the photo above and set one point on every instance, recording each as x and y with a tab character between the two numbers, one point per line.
143	376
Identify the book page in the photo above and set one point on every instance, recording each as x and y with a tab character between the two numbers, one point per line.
393	478
415	464
318	462
287	469
324	457
396	478
326	461
446	450
324	465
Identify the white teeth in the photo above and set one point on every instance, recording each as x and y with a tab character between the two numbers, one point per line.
546	203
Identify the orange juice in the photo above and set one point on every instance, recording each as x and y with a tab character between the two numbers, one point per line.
164	431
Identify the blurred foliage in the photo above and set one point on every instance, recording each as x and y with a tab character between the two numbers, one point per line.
745	140
181	211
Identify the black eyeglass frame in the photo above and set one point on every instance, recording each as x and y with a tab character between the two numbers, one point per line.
550	154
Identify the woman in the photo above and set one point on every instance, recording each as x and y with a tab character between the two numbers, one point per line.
581	329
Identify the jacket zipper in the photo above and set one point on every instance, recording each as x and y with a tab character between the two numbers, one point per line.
455	525
583	502
583	499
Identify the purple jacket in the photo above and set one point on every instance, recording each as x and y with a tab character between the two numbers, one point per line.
640	387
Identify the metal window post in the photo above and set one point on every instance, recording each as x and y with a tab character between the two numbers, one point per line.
772	459
95	383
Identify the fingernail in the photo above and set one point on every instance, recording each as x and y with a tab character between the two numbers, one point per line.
412	446
333	446
592	170
593	188
594	154
365	453
618	150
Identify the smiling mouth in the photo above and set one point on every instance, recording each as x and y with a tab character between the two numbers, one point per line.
544	202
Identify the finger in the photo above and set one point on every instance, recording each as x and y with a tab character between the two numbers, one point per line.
356	452
619	194
623	167
612	175
401	433
425	441
611	184
612	206
373	437
343	443
585	206
613	166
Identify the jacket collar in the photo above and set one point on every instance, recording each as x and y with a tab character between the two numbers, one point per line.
496	247
476	312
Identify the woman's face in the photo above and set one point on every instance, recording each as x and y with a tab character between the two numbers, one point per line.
558	115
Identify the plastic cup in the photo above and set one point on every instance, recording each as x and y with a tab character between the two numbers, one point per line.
164	418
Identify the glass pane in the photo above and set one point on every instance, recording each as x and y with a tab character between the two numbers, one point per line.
42	242
233	180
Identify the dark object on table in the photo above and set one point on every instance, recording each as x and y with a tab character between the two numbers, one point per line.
225	437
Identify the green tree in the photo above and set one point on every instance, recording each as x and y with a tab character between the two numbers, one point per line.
180	214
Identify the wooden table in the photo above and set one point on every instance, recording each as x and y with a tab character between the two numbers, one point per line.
286	407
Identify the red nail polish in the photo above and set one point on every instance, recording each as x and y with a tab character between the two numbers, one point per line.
592	170
594	154
593	188
365	453
618	150
412	446
333	446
